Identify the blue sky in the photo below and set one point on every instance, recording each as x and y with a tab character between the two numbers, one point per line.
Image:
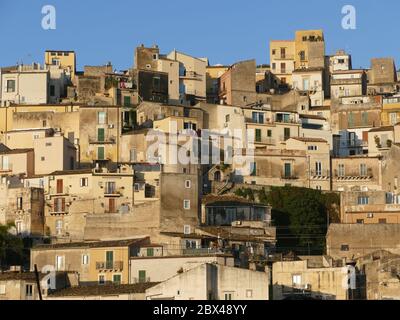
224	31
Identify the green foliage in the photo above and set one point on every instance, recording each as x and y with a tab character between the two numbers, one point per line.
300	216
11	247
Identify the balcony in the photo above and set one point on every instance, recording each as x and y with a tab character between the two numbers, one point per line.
141	280
268	141
109	265
102	140
54	191
292	176
112	193
199	251
353	176
6	169
320	174
190	75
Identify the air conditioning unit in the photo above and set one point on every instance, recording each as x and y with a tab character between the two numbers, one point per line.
307	286
110	126
238	223
47	197
370	215
57	129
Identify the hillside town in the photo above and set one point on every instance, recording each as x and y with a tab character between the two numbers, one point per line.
177	179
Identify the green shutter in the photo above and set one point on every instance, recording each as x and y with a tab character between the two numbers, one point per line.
258	135
100	153
127	101
288	171
142	276
150	252
100	135
109	259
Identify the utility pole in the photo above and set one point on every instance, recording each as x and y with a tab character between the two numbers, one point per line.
38	282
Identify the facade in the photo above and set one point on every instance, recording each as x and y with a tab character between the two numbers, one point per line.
311	82
348	83
99	262
213	282
66	60
317	277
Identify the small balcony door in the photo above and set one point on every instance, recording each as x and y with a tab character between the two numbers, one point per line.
109	259
60	187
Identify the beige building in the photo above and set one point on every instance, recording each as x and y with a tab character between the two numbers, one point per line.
17	161
212	81
282	60
317	277
369	207
352	241
75	195
348	83
357	173
64	59
310	81
23	207
99	262
26	85
213	282
17	285
147	268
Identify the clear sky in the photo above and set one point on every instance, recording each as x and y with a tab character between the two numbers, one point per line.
225	31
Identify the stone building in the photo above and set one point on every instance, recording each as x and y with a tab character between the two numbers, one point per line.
352	241
382	76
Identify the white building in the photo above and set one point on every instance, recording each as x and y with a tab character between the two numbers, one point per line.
213	282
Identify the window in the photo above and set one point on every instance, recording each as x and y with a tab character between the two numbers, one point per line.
186	229
110	187
102	279
283	53
341	171
228	296
28	290
59	227
273	66
60	187
48	144
227	118
2	289
59	263
102	117
350	120
186	204
117	279
188	184
84	182
344	247
363	169
363	200
364	118
318	168
273	52
249	293
253	168
258	117
132	156
302	55
100	153
109	259
10	87
258	135
288	170
296	280
100	134
44	123
382	221
286	134
127	101
85	259
19	203
150	252
360	221
66	54
269	133
142	276
283	67
52	90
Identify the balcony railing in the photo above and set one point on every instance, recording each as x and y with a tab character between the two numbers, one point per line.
292	176
199	251
109	265
102	140
269	141
54	191
141	280
112	193
320	173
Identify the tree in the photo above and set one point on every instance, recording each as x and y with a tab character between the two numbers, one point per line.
11	247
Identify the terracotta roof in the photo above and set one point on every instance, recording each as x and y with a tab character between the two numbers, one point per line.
386	128
88	244
97	290
15	151
27	276
309	139
311	116
67	172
